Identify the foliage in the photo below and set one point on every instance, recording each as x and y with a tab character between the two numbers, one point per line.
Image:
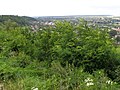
64	56
82	45
63	78
20	20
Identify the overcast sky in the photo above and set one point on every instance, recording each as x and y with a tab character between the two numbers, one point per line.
59	7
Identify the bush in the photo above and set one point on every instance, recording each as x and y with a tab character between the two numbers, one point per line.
23	52
82	45
69	77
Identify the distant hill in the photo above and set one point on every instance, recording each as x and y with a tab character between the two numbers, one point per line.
20	20
69	17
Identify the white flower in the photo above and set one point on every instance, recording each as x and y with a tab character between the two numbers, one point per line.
89	84
88	80
109	82
41	29
33	88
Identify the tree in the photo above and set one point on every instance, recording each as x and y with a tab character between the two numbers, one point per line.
78	45
9	25
82	45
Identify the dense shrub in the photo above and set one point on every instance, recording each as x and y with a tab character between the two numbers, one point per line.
78	45
82	45
69	77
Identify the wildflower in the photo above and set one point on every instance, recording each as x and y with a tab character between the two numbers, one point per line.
88	80
89	84
41	29
34	88
109	82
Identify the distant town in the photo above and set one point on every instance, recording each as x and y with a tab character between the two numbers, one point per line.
108	22
112	23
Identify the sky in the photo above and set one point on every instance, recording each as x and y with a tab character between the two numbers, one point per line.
59	7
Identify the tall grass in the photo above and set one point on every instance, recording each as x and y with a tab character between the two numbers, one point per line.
58	77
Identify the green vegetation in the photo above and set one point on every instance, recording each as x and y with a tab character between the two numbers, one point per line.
60	57
21	21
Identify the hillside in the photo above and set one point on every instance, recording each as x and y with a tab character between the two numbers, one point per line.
20	20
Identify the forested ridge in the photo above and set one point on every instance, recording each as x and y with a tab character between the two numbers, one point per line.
60	57
20	20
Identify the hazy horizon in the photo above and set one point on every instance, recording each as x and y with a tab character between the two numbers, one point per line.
59	7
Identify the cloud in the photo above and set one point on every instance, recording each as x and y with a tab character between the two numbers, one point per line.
59	7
